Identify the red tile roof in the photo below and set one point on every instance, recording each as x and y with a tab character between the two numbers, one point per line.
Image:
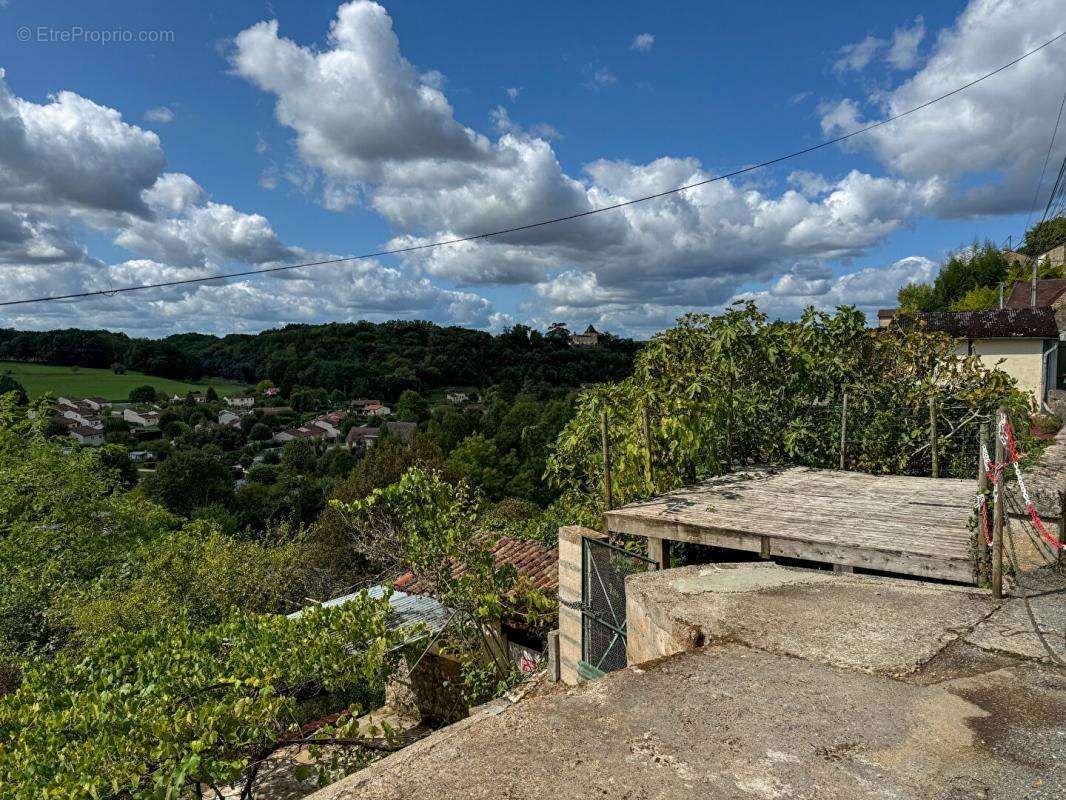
537	564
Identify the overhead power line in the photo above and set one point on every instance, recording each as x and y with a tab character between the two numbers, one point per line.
1043	169
532	225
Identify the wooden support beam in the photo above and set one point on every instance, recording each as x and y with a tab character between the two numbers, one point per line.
1062	522
608	495
659	552
932	437
984	566
843	429
998	513
645	428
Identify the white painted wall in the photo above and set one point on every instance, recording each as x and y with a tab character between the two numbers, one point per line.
1022	359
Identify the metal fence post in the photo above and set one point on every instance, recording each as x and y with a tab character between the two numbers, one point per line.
997	525
932	436
843	429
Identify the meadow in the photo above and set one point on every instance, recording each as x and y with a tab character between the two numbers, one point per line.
38	379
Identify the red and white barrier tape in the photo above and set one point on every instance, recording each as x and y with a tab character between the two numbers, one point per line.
1005	432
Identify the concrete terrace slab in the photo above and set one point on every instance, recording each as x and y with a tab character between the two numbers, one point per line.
1010	629
883	625
730	723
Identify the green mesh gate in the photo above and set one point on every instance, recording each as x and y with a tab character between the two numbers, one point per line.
604	568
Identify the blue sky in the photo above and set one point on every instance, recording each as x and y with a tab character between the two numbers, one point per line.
288	143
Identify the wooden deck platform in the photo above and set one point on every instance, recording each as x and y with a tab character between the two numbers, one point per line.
905	525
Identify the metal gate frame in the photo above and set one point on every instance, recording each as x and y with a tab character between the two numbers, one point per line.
591	664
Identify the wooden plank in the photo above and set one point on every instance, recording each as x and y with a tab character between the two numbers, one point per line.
911	525
815	528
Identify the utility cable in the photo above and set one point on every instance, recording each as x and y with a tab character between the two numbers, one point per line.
530	226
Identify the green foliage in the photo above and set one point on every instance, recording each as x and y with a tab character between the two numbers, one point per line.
260	433
358	359
196	573
412	407
187	480
9	384
733	389
299	456
336	462
480	462
429	526
1044	236
115	457
979	298
63	521
917	297
147	715
978	267
143	394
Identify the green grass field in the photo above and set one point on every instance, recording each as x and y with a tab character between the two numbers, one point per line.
38	379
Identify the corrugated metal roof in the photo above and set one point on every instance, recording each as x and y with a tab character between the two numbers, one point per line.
407	609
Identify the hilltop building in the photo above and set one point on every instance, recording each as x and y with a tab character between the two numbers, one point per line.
590	338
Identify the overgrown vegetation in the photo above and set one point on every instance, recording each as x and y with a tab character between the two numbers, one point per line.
736	389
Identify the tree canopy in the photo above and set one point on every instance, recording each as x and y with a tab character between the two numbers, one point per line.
359	359
153	714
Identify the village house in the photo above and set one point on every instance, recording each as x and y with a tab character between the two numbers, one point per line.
320	428
376	410
1023	342
1054	257
240	401
86	436
80	416
456	397
145	419
330	423
273	411
362	437
93	403
536	568
229	418
1022	338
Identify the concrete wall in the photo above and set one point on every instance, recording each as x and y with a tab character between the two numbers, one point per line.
1022	360
570	599
651	632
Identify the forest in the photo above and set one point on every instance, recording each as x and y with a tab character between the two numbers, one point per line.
361	358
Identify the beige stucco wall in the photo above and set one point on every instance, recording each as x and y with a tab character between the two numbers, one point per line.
1021	359
570	599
